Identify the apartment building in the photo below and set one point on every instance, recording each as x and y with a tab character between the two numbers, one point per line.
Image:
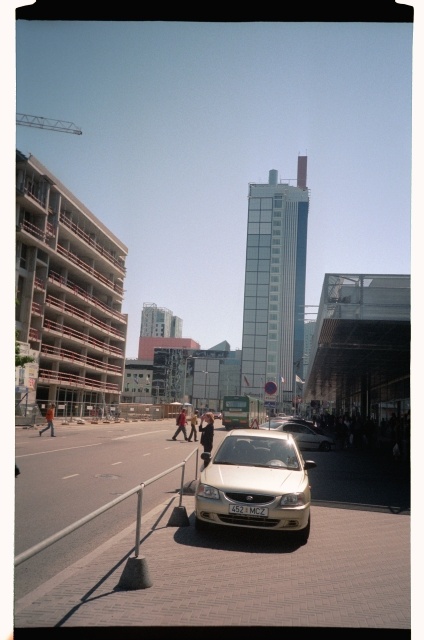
159	322
70	271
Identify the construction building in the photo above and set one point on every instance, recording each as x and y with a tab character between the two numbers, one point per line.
70	271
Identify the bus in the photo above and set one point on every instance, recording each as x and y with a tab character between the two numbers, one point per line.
242	412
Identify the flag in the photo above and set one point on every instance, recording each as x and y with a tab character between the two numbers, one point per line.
246	381
282	380
299	380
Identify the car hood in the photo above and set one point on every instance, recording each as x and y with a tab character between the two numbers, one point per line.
254	479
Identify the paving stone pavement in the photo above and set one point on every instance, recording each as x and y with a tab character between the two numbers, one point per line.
356	576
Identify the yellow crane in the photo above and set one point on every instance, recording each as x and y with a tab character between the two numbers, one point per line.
26	120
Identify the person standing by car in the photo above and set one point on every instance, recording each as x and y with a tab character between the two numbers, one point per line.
207	431
193	423
49	419
182	421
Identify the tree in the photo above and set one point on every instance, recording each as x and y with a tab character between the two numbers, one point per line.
20	361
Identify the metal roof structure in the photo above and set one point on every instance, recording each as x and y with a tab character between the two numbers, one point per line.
362	337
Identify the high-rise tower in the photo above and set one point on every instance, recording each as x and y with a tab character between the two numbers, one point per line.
274	290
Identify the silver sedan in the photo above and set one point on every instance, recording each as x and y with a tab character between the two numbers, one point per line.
257	480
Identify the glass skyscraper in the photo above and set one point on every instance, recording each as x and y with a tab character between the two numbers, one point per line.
274	290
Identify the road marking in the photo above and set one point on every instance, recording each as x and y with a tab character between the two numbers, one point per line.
74	475
135	435
114	463
38	453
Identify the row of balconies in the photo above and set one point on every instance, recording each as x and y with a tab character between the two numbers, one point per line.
93	243
71	357
50	232
67	332
45	236
86	318
63	379
70	286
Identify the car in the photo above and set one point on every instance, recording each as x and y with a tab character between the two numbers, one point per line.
217	415
255	480
306	435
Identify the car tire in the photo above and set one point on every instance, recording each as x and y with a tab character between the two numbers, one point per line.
325	446
303	534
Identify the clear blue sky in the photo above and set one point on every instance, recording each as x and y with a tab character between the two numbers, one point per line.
179	117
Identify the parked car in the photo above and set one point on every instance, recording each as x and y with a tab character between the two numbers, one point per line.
217	415
257	480
306	435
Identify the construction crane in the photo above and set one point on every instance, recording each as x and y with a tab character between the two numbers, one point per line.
26	120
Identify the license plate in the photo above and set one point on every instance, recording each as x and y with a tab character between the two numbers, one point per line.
248	510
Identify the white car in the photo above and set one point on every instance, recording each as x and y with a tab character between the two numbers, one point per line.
306	435
256	480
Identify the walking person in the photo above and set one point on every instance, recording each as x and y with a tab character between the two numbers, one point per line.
193	423
49	419
206	439
182	421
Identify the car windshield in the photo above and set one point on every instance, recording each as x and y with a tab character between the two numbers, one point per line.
257	452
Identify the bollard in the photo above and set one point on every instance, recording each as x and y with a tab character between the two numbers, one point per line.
179	518
135	575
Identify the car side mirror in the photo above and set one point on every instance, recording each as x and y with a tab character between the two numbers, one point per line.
309	464
205	456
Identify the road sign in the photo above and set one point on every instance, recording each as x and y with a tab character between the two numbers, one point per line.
270	388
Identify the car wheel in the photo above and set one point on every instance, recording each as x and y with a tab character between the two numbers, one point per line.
303	534
325	446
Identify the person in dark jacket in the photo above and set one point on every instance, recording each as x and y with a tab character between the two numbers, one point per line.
207	431
182	421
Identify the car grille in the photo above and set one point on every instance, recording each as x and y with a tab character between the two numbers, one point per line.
253	498
248	521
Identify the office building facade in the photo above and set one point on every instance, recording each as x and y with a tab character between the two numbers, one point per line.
274	293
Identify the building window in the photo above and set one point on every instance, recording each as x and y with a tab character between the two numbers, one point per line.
272	336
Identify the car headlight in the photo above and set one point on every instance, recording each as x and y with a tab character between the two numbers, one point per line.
293	500
206	491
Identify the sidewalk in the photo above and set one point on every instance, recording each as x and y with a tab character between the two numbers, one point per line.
353	573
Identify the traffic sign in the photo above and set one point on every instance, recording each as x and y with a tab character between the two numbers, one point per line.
270	388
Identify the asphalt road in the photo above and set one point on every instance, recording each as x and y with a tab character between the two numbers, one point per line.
86	466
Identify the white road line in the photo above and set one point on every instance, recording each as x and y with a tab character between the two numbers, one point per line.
115	463
135	435
74	475
38	453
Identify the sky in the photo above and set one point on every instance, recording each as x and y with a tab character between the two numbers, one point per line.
178	118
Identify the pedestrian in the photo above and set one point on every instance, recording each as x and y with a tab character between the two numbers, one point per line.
182	421
49	420
206	439
193	423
